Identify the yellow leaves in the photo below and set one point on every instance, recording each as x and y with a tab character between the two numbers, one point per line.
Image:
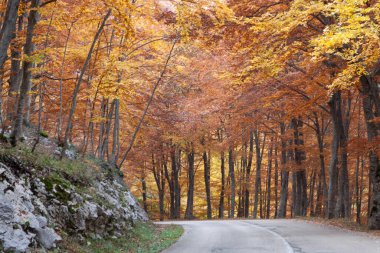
346	30
223	12
35	58
346	78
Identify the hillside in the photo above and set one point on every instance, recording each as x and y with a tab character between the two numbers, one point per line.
46	202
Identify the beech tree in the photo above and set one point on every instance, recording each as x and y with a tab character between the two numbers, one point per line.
208	108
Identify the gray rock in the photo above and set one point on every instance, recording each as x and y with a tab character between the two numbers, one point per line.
71	154
16	240
6	211
32	221
43	221
26	208
6	173
48	238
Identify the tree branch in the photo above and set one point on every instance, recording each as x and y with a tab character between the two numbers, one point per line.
147	106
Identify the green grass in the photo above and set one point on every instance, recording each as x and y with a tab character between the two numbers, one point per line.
79	171
143	238
44	134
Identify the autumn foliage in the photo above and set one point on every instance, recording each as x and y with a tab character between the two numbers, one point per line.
212	109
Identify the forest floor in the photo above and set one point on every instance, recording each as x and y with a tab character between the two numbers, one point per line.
342	224
144	238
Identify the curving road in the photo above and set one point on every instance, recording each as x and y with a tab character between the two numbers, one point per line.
264	236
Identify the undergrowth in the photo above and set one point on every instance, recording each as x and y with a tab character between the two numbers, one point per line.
143	238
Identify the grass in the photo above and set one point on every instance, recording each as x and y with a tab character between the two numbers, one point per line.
79	171
143	238
58	175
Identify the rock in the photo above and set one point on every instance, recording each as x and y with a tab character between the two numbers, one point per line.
31	221
48	238
39	187
42	220
90	210
27	207
71	154
6	211
16	240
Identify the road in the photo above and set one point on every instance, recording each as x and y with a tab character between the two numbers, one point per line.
275	236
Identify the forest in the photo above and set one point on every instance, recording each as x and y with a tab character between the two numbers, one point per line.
211	109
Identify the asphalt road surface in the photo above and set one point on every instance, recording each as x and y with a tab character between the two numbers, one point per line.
262	236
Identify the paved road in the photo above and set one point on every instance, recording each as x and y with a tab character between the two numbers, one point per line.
264	236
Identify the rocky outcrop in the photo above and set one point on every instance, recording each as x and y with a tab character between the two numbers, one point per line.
35	206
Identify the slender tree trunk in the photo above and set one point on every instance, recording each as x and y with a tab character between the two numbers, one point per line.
103	109
158	172
357	198
334	105
26	76
284	176
248	178
258	175
144	193
299	176
60	115
79	82
190	191
206	162
269	180
169	178
222	190
108	133
342	206
311	192
134	136
276	184
322	184
176	167
231	169
15	78
115	134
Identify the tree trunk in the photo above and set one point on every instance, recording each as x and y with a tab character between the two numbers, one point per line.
284	176
299	176
276	184
321	204
15	78
343	203
222	190
79	82
176	167
9	27
231	169
103	109
248	177
269	180
60	114
190	191
334	104
26	73
371	107
106	152
311	192
169	178
206	162
144	193
158	172
258	191
115	134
